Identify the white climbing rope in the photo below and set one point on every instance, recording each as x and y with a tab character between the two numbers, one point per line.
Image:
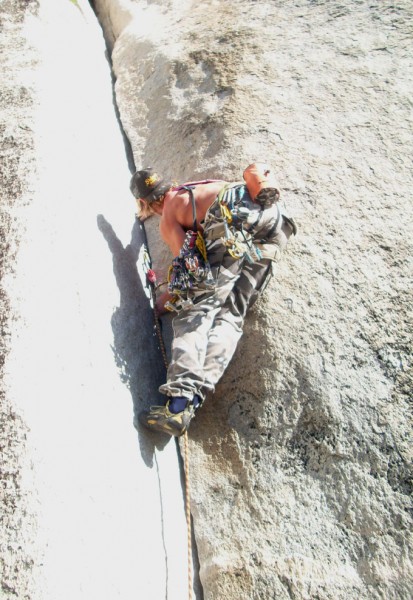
188	513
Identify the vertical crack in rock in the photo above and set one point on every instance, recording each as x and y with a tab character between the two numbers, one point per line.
110	38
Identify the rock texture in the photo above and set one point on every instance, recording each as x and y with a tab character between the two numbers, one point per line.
301	460
17	514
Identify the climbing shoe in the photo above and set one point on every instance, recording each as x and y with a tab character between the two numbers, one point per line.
160	418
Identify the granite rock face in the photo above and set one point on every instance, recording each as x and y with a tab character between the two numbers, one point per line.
301	475
301	460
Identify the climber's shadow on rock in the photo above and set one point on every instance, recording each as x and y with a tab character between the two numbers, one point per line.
136	344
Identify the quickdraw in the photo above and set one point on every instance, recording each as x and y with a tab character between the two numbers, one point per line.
190	268
236	239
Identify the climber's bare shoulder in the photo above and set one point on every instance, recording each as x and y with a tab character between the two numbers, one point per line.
177	213
205	195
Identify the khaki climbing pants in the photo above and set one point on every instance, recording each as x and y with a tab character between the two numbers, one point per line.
205	336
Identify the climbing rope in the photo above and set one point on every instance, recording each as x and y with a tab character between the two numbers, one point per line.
152	284
188	513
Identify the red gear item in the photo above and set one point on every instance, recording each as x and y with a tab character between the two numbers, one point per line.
257	177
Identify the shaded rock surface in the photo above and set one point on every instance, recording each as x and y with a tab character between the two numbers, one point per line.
301	461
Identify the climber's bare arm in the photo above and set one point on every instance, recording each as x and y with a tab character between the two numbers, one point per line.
173	234
161	301
172	231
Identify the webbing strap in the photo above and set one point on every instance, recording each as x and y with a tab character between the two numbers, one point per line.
190	188
274	227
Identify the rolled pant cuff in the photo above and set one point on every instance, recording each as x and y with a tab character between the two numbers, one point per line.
165	389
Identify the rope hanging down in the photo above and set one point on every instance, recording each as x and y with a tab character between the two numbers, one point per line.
152	285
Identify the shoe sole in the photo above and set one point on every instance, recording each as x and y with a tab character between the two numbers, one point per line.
153	425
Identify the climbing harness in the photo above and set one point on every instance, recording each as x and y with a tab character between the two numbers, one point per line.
232	218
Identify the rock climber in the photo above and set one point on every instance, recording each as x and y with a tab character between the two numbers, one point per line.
243	234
